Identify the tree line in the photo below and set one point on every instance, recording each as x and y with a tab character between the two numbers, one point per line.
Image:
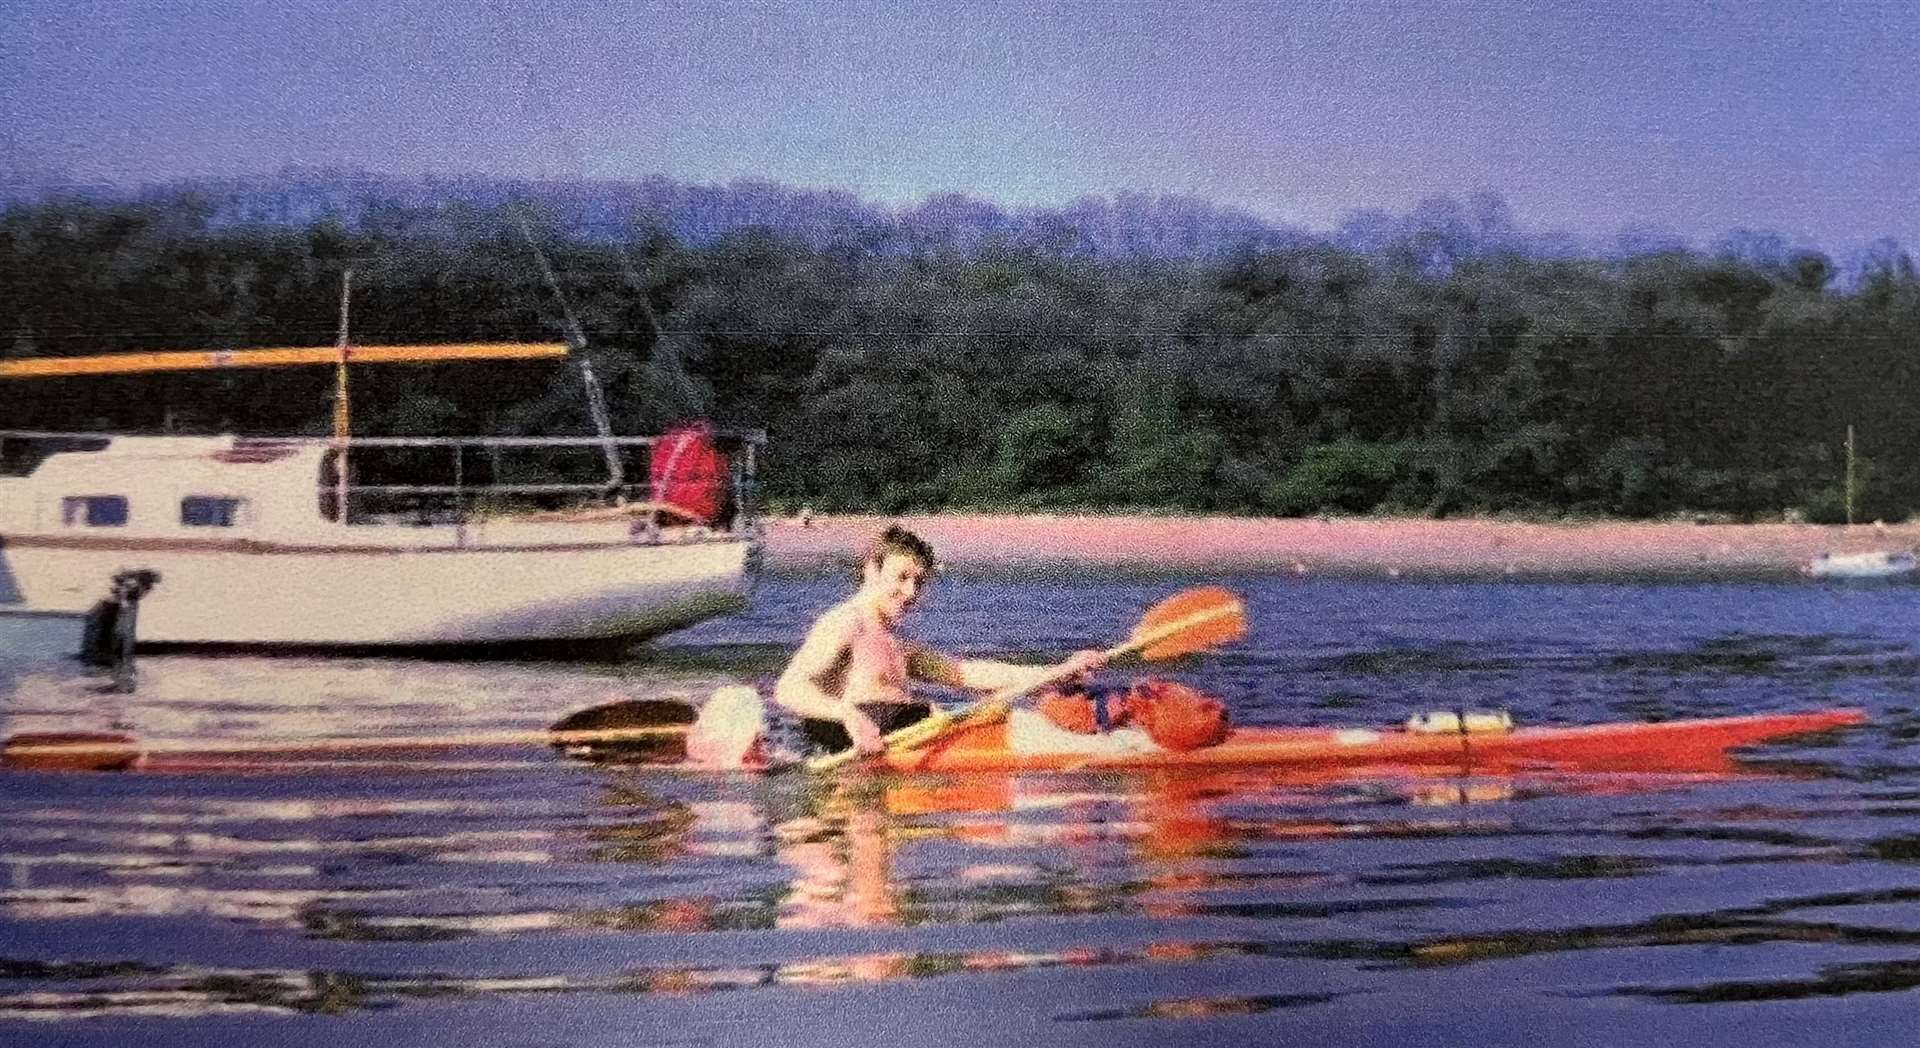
1302	376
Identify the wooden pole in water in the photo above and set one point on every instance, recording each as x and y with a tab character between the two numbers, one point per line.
342	427
1850	480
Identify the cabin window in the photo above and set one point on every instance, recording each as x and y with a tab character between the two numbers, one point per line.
211	511
94	511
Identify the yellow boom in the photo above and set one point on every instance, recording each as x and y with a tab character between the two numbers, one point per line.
280	356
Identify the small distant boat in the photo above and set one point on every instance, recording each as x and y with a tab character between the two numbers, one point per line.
1878	564
39	631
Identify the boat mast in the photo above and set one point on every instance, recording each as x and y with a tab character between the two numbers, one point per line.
1850	481
577	340
342	428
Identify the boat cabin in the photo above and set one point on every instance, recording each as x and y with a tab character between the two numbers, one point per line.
148	487
286	489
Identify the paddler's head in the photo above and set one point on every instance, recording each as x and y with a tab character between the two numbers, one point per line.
895	571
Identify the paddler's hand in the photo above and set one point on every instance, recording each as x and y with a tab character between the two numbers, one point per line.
865	733
1079	667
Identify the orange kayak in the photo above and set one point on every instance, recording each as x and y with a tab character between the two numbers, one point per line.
1693	745
1700	745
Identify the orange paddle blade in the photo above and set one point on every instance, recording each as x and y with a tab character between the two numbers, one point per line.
1189	621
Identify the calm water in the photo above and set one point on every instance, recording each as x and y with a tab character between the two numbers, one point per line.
514	897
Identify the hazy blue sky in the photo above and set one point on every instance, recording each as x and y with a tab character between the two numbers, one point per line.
1695	117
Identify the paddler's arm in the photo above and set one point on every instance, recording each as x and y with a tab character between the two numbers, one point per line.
801	691
988	675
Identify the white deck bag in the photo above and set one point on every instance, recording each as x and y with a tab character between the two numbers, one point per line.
1029	732
725	732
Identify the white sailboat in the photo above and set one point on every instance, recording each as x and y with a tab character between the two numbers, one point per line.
1873	564
269	541
1877	564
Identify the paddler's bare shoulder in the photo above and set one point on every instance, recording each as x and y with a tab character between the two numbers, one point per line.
814	675
841	623
831	637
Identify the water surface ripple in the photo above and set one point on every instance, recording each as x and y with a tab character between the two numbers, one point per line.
514	896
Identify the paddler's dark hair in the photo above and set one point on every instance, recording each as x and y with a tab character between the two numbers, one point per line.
898	540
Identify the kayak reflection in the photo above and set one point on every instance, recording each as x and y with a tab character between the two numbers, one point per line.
868	853
874	880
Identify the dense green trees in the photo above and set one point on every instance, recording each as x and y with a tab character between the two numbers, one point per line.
1433	368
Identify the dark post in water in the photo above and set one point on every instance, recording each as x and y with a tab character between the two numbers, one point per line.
112	626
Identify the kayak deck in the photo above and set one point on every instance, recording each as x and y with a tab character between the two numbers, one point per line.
1697	744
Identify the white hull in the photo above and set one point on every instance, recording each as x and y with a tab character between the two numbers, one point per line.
1877	565
412	595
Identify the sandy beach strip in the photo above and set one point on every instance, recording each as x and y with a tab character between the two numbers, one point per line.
1343	546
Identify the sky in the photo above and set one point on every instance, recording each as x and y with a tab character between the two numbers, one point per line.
1695	118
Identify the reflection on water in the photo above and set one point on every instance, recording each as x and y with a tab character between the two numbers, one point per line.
1242	907
903	862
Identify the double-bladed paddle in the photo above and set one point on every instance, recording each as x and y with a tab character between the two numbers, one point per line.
1190	621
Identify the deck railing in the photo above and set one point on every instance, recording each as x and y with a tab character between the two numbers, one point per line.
386	492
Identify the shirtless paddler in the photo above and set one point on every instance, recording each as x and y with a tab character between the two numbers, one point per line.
848	682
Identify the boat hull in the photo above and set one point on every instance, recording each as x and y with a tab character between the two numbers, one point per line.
1879	565
391	596
1691	745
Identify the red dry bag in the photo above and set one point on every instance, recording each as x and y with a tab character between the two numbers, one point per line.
1071	710
689	473
1175	716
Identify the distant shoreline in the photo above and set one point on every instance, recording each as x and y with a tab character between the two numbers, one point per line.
1358	546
